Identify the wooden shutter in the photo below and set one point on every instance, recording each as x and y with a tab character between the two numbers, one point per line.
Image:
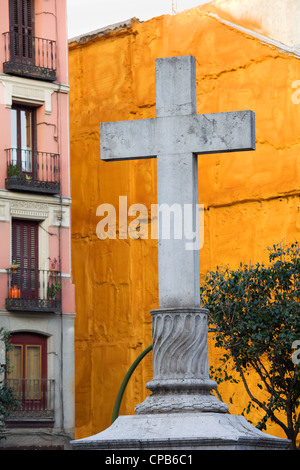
25	253
22	30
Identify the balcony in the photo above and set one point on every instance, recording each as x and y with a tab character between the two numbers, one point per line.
35	399
28	170
34	290
29	56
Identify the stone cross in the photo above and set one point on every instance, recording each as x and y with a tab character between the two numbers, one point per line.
175	137
181	413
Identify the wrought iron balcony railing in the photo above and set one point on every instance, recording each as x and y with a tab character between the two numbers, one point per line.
29	56
35	399
33	171
34	290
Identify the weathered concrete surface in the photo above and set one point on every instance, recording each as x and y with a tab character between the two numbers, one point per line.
180	431
171	135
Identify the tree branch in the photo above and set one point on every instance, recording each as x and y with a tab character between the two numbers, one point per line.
261	404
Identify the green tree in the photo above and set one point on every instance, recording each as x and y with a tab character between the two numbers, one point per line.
8	401
255	312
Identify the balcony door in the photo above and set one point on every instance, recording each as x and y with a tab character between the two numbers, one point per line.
23	136
28	369
22	30
25	254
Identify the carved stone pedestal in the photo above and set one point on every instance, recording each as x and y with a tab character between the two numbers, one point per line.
181	380
181	413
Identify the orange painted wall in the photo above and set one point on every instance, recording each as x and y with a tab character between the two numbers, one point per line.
251	198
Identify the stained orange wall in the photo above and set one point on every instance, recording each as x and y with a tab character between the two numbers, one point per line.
251	198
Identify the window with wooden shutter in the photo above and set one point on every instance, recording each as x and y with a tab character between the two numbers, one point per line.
25	254
25	54
22	30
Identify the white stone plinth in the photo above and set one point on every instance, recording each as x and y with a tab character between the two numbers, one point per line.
181	431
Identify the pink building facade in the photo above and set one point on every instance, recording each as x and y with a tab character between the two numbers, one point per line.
37	302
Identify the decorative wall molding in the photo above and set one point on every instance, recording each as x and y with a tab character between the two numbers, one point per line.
4	211
29	209
59	216
32	92
56	211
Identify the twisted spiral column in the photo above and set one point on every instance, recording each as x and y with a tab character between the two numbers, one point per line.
181	379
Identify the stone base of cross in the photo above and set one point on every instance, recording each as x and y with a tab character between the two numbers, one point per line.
181	413
181	379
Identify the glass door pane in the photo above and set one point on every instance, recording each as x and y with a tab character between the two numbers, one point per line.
14	142
15	355
22	140
33	372
13	123
26	140
15	362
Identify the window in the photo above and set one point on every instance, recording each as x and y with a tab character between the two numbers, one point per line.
30	288
27	168
28	370
25	254
23	137
28	378
25	54
26	356
22	30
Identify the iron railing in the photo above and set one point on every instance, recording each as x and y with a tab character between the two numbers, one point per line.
29	56
34	290
29	170
35	399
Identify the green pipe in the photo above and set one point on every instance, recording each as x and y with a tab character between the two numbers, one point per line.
125	382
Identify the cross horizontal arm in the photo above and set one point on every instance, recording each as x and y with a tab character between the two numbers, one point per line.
195	133
223	132
127	140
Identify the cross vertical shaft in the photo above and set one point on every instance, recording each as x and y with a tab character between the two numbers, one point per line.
178	268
